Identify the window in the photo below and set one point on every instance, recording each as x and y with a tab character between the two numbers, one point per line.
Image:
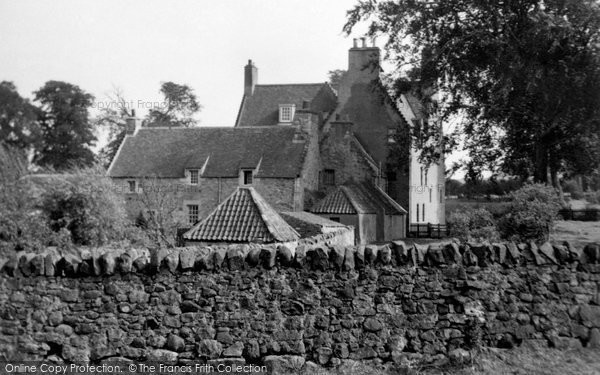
194	176
131	186
430	193
329	177
417	212
426	173
441	195
421	176
247	177
192	213
423	213
286	112
391	135
336	219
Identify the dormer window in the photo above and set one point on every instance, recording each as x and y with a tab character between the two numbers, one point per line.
286	113
246	176
194	176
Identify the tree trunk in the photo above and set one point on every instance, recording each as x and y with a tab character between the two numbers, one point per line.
540	173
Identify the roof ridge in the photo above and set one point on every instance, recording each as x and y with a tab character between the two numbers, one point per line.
291	84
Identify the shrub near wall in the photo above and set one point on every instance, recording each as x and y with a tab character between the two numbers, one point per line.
283	307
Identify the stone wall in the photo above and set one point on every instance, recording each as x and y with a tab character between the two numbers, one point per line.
338	153
209	192
283	307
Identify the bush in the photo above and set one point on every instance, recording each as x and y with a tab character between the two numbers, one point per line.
88	208
572	187
472	224
531	213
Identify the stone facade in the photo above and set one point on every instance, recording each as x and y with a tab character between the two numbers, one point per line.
281	193
340	153
317	302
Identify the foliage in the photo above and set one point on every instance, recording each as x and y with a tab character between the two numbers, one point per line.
89	208
113	118
335	77
160	205
573	187
524	75
13	163
472	224
487	187
180	105
531	213
18	118
66	130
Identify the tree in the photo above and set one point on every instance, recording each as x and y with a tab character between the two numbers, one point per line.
180	105
18	118
335	77
65	126
524	75
161	205
113	118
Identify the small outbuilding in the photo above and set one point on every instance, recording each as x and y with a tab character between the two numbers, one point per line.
375	216
244	217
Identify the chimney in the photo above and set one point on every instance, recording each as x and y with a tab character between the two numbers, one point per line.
250	78
340	129
363	67
132	124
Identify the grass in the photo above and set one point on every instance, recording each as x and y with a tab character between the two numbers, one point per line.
525	360
577	232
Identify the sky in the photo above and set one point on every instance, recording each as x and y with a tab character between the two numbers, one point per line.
136	45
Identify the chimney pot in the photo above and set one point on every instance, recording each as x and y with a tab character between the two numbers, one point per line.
133	113
364	42
250	78
355	43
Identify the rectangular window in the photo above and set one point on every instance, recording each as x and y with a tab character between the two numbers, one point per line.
286	112
430	194
426	173
194	176
441	195
192	213
131	186
336	219
329	177
247	177
417	212
421	176
423	213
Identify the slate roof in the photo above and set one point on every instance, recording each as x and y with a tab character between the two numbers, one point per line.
415	105
262	107
164	152
358	197
308	224
243	217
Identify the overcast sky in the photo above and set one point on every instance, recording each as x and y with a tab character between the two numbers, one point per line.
135	45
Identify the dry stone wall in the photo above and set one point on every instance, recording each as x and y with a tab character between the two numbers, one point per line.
287	308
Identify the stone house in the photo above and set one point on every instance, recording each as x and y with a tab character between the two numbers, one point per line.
375	216
292	143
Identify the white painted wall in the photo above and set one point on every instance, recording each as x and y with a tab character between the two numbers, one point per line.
426	184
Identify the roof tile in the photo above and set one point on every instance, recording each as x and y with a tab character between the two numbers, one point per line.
243	217
164	152
262	107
